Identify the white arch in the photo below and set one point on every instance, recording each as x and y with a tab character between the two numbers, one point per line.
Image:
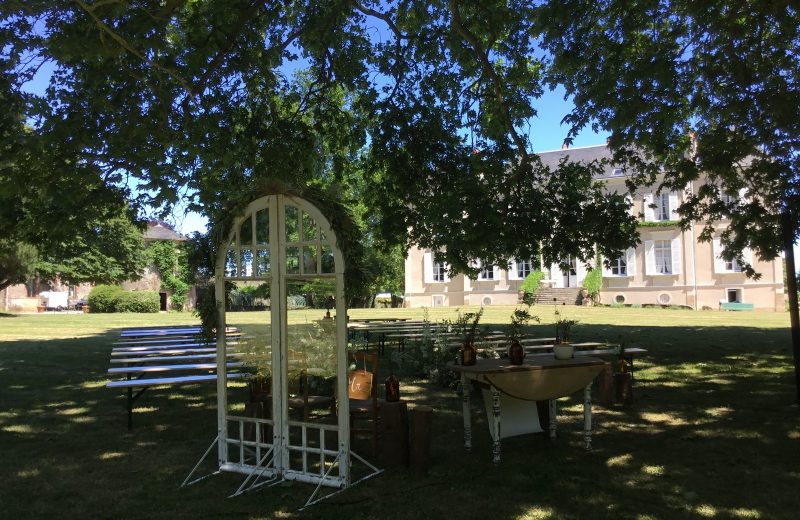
278	465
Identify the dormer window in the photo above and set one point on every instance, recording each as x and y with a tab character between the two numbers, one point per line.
618	172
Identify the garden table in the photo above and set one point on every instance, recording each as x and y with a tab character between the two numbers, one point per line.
513	391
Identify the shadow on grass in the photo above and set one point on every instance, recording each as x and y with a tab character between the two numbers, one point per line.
712	417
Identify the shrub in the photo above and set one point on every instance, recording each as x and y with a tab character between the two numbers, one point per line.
593	283
530	286
103	298
138	301
112	298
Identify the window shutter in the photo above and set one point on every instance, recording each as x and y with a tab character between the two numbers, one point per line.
580	272
649	213
495	272
629	200
747	255
649	257
478	264
630	259
673	206
676	255
512	271
427	268
557	276
606	270
719	263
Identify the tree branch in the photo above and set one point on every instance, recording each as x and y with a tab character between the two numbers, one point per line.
89	9
382	16
399	36
497	85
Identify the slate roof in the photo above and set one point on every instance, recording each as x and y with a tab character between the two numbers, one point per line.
584	154
158	231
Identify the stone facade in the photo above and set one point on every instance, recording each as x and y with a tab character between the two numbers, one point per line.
668	267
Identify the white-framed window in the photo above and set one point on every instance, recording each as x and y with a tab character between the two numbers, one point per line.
437	300
520	268
625	265
439	271
661	207
728	266
619	267
617	172
486	272
733	266
662	256
434	271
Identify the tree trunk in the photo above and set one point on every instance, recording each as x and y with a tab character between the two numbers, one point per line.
791	282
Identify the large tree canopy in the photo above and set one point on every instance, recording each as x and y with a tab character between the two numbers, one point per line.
690	88
208	100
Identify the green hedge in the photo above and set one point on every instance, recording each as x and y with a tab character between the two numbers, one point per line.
138	301
103	298
112	298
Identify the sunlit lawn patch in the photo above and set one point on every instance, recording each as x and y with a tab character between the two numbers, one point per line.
713	432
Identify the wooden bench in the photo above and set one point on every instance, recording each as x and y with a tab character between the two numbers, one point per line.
735	306
144	384
165	362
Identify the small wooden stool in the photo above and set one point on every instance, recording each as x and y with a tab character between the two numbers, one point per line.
420	438
394	434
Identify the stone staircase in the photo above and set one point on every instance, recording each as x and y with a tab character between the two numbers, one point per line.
552	296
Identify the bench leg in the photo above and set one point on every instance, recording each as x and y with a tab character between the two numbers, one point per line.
130	408
587	416
132	399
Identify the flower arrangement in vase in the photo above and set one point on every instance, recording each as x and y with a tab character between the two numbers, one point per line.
467	326
519	318
562	348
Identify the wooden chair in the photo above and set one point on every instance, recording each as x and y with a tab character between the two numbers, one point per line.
300	397
362	393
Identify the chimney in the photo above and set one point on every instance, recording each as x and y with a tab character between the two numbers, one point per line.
565	146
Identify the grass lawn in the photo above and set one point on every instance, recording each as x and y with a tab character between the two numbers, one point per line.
713	433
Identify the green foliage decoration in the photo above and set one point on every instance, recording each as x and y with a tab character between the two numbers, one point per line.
172	263
593	282
329	200
658	224
530	286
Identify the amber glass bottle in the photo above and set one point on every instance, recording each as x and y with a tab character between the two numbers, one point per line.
468	354
516	354
392	389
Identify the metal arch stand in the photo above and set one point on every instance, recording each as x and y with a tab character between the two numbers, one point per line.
311	500
186	481
257	472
